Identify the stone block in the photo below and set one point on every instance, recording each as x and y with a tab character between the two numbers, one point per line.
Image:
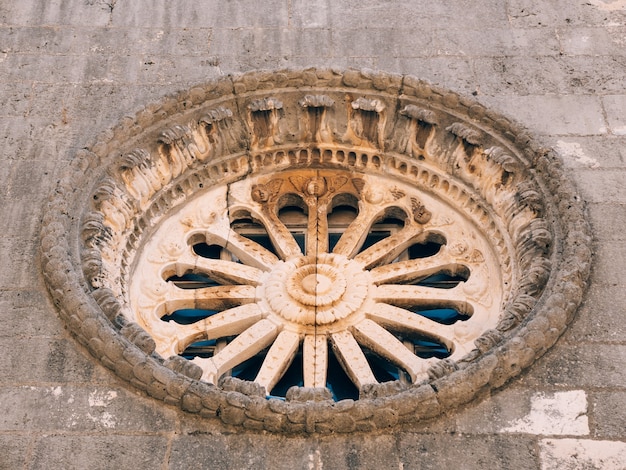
80	408
28	313
358	451
486	42
42	12
99	452
548	114
606	151
17	256
46	68
581	366
488	416
191	14
44	359
602	186
470	452
29	184
453	73
308	43
386	42
610	258
594	41
248	42
73	105
37	40
536	13
130	41
549	74
615	106
305	14
420	15
606	221
609	414
18	98
220	451
185	71
14	450
560	454
600	319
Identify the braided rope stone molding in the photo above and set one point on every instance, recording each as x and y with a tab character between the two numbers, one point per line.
114	195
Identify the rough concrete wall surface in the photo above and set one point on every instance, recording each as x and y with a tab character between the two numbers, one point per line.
71	69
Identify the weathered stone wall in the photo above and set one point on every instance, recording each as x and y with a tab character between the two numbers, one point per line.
72	69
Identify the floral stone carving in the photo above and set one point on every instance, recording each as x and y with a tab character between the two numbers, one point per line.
241	242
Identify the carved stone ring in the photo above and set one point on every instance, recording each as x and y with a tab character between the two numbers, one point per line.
316	250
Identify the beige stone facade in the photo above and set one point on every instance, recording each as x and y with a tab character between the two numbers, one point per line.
291	232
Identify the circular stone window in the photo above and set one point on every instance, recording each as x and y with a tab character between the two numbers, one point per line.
316	251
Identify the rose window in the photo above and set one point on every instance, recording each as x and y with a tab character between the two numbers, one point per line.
315	250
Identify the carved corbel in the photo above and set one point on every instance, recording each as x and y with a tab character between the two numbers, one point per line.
173	148
366	123
469	138
414	138
214	130
263	118
316	126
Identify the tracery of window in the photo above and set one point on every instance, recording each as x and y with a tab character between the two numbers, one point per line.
316	278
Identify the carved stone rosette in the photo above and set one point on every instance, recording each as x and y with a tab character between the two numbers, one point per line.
310	231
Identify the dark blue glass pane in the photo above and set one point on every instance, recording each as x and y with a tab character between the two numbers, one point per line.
427	349
442	281
249	369
300	240
202	349
338	382
445	316
263	240
293	377
424	250
193	281
188	316
333	238
207	251
373	238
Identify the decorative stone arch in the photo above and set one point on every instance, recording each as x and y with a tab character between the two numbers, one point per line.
120	229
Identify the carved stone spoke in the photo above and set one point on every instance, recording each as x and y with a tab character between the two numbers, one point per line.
208	298
414	270
278	359
426	297
315	356
243	347
373	336
388	249
396	318
222	271
281	237
248	251
356	233
227	323
352	359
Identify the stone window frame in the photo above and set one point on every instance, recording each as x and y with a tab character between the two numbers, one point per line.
241	120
